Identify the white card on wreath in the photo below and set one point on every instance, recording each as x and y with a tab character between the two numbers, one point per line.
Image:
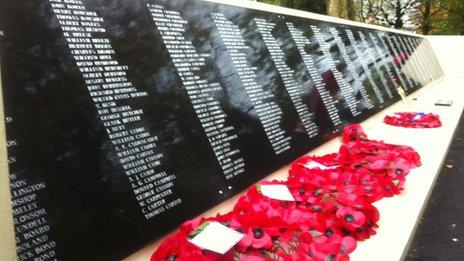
314	164
277	191
217	238
418	116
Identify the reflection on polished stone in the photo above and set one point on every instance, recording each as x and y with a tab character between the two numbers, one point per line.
126	118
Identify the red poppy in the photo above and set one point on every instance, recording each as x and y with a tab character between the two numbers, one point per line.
413	120
351	218
177	248
250	255
256	238
353	132
330	248
332	208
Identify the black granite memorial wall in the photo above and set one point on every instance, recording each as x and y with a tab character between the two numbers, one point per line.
126	118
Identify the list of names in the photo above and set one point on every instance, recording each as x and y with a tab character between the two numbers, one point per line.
373	58
395	60
345	89
293	88
364	65
111	93
386	58
416	63
267	109
410	61
402	57
301	41
422	52
358	84
435	63
30	219
432	60
188	63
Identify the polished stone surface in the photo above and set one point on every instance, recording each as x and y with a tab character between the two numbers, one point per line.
126	118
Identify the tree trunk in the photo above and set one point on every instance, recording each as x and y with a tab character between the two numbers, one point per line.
398	15
350	9
462	19
315	6
288	3
426	19
338	8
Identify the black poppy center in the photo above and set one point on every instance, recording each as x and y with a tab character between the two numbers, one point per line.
399	171
330	257
302	191
345	231
349	218
172	257
329	232
343	249
258	233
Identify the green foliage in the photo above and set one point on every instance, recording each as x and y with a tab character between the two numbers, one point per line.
423	16
315	6
451	21
273	2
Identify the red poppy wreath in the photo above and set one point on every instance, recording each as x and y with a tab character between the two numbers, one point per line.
413	120
331	207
